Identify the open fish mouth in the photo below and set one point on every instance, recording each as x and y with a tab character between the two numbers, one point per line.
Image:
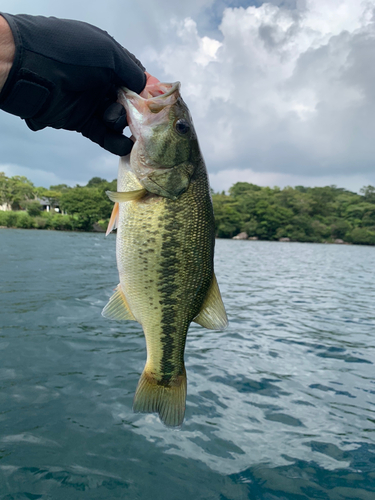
152	99
149	107
155	91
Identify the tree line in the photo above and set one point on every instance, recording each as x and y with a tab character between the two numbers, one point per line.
80	207
320	214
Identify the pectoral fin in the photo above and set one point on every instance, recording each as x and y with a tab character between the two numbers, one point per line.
212	315
117	307
113	221
120	197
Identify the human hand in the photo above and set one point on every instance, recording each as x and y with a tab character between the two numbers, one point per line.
7	51
66	75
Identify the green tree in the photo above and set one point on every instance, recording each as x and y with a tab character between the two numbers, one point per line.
270	217
88	205
362	236
16	190
368	193
33	208
95	182
361	211
52	197
227	218
243	188
340	228
59	187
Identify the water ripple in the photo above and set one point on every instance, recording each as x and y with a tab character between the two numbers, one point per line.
280	405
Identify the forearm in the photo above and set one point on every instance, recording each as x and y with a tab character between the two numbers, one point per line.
7	51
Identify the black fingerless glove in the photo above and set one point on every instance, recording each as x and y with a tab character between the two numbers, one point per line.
66	74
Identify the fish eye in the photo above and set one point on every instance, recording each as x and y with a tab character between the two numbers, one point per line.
182	127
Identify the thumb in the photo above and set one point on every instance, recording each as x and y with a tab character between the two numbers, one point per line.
115	117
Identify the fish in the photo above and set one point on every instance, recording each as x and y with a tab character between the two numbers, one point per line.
165	244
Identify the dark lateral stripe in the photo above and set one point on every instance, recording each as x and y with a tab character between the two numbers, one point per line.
168	287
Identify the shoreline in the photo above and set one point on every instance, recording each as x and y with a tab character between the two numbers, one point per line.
344	243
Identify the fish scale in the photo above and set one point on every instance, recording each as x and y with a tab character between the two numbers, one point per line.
180	267
165	249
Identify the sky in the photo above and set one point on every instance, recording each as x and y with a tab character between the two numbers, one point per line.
282	92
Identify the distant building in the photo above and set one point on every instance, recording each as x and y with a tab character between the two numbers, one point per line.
46	206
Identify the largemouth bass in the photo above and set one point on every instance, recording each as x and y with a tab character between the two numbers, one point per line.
165	245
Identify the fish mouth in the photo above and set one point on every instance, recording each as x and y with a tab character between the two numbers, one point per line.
150	107
158	91
153	98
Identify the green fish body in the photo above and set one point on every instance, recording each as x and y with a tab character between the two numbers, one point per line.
165	250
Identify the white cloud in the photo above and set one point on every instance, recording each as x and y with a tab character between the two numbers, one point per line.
208	49
327	18
284	89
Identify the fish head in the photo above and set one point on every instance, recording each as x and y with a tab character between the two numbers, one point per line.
165	138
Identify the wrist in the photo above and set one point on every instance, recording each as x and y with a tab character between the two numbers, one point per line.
7	51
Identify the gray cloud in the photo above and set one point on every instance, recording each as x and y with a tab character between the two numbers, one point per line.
67	156
286	94
280	92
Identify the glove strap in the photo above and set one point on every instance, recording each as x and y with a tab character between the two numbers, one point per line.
25	99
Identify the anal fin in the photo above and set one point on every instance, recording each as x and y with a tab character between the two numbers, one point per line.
212	314
117	307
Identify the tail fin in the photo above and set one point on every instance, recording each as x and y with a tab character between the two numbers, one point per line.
167	400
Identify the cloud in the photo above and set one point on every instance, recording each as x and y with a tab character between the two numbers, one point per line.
286	91
280	91
39	177
64	156
224	179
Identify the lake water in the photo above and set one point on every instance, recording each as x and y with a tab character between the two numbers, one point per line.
281	405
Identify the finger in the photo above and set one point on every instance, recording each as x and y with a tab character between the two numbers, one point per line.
115	117
129	74
152	87
151	79
117	144
114	142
